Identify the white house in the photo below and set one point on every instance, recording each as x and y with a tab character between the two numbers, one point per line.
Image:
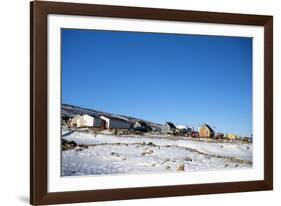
76	121
91	121
168	128
86	121
115	123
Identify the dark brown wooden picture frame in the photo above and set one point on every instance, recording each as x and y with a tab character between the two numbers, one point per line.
38	102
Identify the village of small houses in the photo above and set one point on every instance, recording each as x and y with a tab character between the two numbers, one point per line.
100	143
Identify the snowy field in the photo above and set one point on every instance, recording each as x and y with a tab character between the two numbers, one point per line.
101	154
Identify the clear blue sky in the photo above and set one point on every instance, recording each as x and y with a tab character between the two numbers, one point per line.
186	79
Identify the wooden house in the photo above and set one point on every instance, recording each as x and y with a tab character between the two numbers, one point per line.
206	131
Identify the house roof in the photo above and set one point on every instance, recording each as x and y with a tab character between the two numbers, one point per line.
94	116
115	118
171	125
208	126
142	123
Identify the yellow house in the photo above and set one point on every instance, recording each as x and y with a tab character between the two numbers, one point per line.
231	136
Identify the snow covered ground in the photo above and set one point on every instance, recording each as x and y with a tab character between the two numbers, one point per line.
100	154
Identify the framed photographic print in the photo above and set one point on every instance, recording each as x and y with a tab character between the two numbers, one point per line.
131	102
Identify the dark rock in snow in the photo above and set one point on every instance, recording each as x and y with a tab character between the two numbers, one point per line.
188	159
66	145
